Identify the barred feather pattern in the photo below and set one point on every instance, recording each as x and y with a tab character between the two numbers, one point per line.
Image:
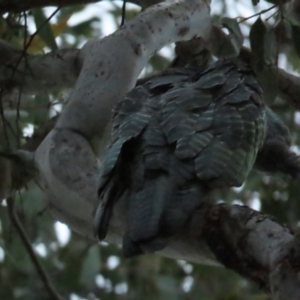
175	137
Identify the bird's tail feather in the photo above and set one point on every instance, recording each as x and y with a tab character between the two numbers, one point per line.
158	211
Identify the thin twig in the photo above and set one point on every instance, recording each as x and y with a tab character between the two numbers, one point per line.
27	45
39	268
23	55
123	12
3	120
257	14
20	90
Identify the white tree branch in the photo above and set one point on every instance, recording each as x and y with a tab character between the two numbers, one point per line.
112	65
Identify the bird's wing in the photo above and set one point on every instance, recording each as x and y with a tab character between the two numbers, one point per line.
173	137
218	120
130	117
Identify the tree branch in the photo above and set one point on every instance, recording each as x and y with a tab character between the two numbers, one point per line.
21	5
35	73
59	70
289	88
249	242
113	73
39	268
255	246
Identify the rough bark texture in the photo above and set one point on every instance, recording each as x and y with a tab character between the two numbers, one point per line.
249	242
255	246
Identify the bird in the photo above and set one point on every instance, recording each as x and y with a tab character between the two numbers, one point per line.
179	135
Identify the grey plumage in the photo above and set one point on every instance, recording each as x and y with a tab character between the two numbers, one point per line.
175	137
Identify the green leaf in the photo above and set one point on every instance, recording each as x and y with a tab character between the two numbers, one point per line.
264	53
84	28
257	42
296	38
90	267
69	10
167	285
40	113
235	34
268	79
271	47
44	28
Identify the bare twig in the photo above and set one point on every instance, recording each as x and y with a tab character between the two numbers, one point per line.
123	13
27	45
3	121
257	14
39	268
17	6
